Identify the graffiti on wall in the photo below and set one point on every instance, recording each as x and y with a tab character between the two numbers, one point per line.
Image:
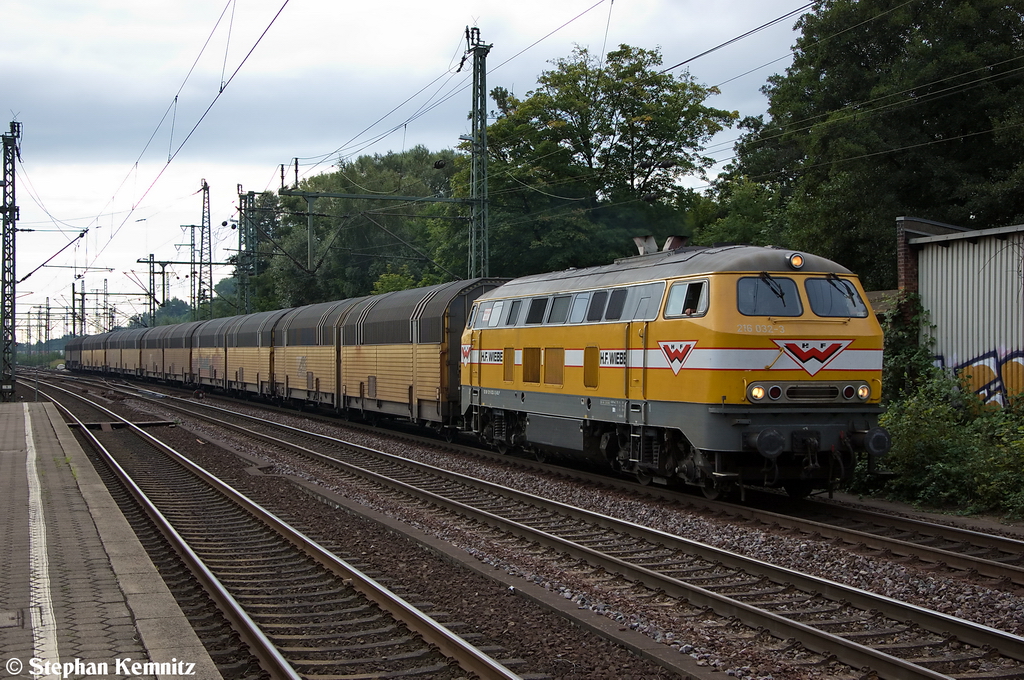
994	376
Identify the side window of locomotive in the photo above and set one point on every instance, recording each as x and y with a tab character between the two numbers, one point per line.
472	316
615	304
645	302
484	315
496	313
768	296
579	308
513	313
537	308
643	305
687	299
559	309
596	310
834	297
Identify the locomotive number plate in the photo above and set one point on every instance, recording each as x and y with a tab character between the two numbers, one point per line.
765	328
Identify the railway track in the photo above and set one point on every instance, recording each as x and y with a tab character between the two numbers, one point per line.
975	554
859	628
303	612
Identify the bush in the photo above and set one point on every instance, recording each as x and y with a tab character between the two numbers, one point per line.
952	451
907	362
949	450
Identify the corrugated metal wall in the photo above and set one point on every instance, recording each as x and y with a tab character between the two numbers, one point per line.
974	293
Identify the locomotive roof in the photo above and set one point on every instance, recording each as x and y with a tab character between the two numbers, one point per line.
688	261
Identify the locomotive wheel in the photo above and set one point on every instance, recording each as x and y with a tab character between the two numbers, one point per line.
712	493
501	447
644	478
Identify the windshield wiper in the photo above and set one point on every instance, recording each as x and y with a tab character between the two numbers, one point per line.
846	291
774	286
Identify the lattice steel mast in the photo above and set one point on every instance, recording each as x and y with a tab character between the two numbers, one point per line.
245	268
206	259
479	251
7	280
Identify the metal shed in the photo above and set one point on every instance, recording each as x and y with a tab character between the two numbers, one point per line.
971	282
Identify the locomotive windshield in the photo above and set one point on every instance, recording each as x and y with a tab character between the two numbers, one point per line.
767	295
833	296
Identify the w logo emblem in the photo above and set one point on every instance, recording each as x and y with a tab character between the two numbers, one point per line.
812	355
466	350
676	353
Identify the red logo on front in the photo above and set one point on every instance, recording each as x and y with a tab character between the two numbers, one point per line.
812	355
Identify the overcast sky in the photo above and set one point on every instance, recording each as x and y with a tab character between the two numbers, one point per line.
108	90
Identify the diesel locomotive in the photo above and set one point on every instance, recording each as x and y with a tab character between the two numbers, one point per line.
717	367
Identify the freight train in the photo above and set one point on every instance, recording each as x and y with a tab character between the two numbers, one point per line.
717	367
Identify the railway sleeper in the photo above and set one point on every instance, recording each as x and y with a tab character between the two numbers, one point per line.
300	627
936	662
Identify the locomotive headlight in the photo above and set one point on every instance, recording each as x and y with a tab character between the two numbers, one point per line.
757	393
863	392
796	260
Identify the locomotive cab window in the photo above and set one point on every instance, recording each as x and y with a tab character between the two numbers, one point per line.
689	298
833	296
767	295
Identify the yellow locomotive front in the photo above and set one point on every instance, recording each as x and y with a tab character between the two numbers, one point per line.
721	367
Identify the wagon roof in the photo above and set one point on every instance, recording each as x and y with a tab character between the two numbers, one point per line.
253	322
311	316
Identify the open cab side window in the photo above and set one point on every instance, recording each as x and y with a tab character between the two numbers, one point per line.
687	299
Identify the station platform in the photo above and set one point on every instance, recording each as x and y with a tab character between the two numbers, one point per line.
76	586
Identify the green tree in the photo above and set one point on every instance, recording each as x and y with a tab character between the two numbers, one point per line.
225	302
356	240
392	280
910	109
175	311
746	212
588	160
